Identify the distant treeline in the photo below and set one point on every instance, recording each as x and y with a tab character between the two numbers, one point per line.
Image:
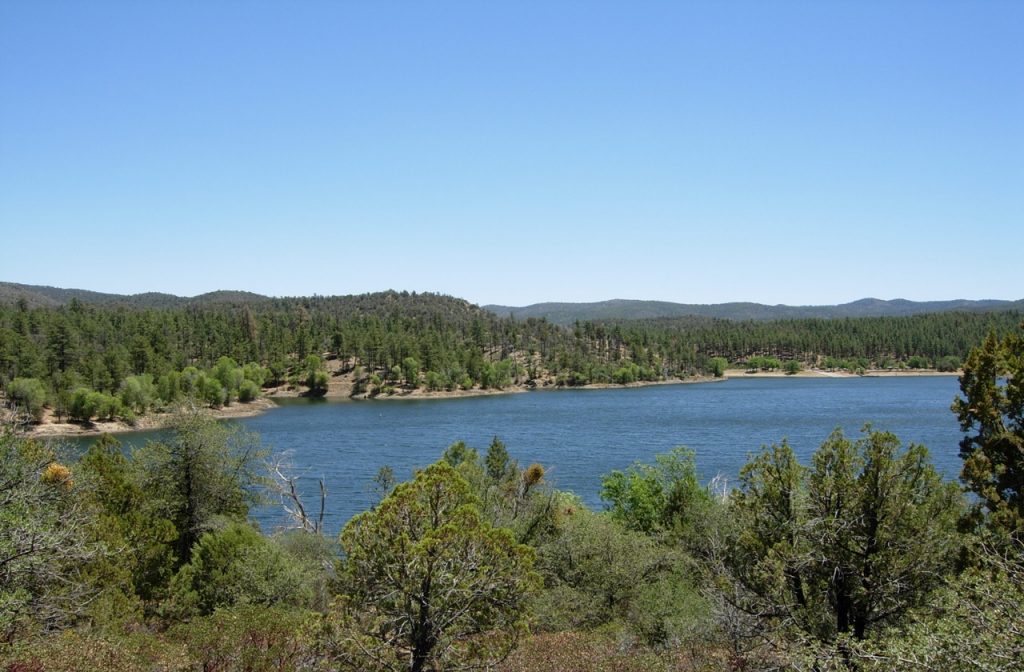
401	339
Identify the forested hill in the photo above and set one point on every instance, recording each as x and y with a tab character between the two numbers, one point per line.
85	351
40	296
627	309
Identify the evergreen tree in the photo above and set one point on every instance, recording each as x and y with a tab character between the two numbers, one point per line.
991	414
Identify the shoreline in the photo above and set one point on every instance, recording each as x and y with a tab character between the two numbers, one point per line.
821	373
149	421
342	390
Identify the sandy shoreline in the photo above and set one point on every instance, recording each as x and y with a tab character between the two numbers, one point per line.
49	428
820	373
340	388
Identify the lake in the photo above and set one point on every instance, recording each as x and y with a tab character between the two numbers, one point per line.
579	435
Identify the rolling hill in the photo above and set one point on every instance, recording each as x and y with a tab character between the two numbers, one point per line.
626	309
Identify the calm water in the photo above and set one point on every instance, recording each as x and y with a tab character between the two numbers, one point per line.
581	434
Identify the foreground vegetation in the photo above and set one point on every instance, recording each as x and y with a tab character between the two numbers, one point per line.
85	361
863	558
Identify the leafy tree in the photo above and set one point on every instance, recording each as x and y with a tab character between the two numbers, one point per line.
845	547
429	584
29	394
205	472
230	376
248	391
661	497
918	362
718	365
138	392
212	392
315	377
991	414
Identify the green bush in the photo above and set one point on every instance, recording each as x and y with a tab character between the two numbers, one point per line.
29	394
238	565
248	391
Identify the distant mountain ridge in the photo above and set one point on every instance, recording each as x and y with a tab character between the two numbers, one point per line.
556	313
44	296
628	309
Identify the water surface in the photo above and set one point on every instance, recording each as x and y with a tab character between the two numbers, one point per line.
578	435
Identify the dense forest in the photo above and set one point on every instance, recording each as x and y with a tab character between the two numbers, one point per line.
86	359
864	558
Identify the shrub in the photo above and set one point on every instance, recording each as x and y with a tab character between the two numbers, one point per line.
29	394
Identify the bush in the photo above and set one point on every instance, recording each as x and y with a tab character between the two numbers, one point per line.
87	404
918	362
138	392
238	565
254	639
73	651
29	394
248	391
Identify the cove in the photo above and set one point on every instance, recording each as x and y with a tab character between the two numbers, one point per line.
579	435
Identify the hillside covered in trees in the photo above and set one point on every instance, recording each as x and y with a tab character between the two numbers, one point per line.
99	356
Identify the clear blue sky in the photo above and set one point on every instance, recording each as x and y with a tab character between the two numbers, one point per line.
516	152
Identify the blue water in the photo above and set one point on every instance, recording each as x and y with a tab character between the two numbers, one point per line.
578	435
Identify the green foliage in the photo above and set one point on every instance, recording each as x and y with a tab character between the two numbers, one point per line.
845	547
459	453
29	394
975	623
718	365
212	392
763	363
918	362
237	565
655	498
250	638
205	472
428	583
596	572
42	540
314	376
991	414
248	391
125	517
497	460
87	404
138	392
402	337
